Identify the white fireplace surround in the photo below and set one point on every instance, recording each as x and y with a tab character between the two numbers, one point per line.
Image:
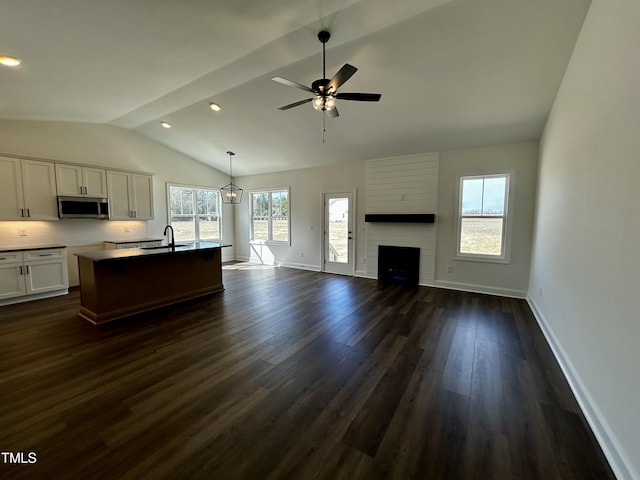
403	185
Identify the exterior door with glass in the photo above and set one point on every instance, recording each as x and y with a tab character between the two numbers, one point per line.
338	233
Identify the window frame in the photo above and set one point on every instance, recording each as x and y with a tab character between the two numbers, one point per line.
269	240
197	188
507	219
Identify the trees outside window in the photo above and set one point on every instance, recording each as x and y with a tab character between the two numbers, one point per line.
194	213
270	216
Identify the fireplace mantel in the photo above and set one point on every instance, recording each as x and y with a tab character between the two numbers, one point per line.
400	217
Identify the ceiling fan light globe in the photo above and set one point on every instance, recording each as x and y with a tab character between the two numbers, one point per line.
329	103
324	103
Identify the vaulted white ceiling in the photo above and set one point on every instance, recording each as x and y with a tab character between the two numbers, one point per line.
452	73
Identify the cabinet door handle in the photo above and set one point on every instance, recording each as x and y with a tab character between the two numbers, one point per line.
21	270
22	212
3	258
45	254
28	271
28	212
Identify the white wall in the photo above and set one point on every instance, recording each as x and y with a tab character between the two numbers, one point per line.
112	147
585	255
521	160
306	213
306	216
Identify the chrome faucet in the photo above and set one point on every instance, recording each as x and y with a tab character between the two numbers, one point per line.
172	243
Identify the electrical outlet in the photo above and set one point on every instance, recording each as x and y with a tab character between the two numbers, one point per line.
449	268
540	292
127	229
22	232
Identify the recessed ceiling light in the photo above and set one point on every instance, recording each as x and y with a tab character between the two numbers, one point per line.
215	107
165	124
9	61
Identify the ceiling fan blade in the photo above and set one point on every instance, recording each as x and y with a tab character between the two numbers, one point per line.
291	83
295	104
333	113
344	74
359	97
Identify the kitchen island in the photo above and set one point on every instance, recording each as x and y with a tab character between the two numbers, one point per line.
119	283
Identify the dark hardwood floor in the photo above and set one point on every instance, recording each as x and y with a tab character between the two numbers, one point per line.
291	374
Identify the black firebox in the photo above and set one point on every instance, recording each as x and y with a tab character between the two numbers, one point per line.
398	264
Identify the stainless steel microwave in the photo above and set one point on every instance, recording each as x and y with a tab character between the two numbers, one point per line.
83	207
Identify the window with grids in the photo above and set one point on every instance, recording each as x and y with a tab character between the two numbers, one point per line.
194	213
482	217
270	216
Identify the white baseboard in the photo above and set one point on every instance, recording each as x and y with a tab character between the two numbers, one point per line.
299	266
363	274
470	287
610	446
35	296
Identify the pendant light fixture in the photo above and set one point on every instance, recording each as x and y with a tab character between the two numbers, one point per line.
231	193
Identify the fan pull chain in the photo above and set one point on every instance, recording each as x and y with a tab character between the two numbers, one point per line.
323	125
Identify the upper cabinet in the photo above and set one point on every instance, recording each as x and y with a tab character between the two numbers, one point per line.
78	181
130	195
27	190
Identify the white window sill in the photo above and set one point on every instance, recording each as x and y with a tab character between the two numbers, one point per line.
483	259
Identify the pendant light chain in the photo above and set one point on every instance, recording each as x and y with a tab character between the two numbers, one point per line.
231	193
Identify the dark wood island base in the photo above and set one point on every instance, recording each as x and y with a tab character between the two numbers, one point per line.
119	283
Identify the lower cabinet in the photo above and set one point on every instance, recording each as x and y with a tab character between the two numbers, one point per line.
31	274
12	282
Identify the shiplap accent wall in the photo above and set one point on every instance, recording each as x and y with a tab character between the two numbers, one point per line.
403	185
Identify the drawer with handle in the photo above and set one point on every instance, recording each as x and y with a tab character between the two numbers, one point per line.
11	257
33	255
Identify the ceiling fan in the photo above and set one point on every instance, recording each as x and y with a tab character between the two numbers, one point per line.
325	91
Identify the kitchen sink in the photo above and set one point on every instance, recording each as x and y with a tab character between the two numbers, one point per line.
177	247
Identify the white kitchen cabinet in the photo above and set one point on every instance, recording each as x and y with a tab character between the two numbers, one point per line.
27	190
130	195
46	270
79	181
11	279
31	274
